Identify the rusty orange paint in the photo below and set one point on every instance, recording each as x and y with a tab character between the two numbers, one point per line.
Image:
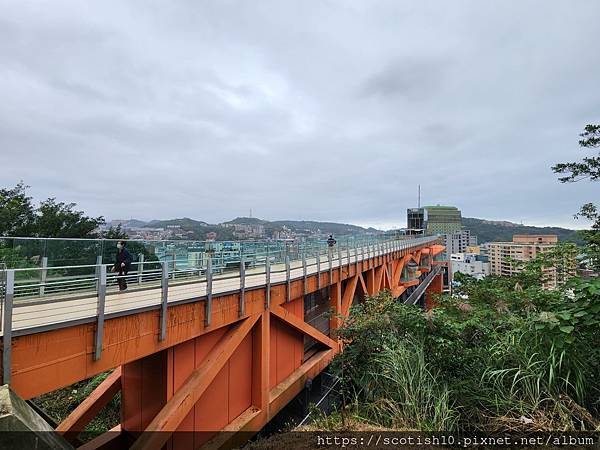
261	349
436	249
363	284
335	303
371	281
349	295
177	408
303	327
436	287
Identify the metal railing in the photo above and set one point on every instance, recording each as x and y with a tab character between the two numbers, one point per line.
47	282
420	289
46	296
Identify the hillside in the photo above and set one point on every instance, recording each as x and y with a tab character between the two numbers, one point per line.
324	227
200	228
485	230
185	223
491	230
248	221
197	227
129	223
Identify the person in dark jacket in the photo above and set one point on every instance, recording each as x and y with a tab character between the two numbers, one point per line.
331	241
122	264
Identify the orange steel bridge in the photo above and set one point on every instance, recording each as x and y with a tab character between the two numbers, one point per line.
206	354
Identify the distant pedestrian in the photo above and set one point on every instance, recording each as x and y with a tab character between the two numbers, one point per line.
331	241
122	264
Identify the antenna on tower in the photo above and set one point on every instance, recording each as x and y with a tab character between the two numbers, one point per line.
251	213
419	199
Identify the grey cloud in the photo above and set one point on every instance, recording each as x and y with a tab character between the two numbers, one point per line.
413	80
326	111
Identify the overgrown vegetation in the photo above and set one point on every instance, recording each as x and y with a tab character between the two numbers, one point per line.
502	354
60	403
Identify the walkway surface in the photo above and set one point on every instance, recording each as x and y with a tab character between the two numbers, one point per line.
37	312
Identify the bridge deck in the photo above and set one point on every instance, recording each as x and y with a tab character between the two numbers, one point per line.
33	313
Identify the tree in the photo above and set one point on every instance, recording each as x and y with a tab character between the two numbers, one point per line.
115	233
17	213
587	168
20	218
58	219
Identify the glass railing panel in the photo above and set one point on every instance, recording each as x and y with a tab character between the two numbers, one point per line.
72	263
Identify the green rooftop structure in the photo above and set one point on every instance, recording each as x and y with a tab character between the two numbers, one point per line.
433	220
442	219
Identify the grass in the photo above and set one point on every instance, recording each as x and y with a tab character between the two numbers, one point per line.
60	403
400	391
476	370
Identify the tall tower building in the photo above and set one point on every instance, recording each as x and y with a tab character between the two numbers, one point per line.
442	219
433	220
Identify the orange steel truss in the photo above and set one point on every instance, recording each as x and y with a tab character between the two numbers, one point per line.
233	375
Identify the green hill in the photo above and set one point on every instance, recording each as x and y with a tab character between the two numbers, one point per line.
197	227
323	227
248	221
184	222
494	230
200	228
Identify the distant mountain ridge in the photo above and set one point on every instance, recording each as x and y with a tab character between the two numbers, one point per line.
329	227
199	228
485	230
500	230
183	222
248	221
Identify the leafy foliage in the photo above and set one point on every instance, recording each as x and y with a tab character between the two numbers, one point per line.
19	217
588	167
499	350
590	212
61	220
60	403
115	233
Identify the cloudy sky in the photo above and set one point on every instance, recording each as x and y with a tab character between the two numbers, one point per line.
325	110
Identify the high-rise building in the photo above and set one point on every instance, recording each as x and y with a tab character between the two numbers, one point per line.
443	219
415	221
505	257
433	220
458	241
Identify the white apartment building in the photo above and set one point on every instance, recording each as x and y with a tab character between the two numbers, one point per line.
469	264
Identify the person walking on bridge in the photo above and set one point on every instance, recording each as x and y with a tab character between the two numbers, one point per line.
331	241
122	264
330	244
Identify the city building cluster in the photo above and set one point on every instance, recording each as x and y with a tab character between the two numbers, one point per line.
491	258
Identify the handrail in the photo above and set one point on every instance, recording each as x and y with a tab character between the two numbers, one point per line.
49	279
63	283
87	293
